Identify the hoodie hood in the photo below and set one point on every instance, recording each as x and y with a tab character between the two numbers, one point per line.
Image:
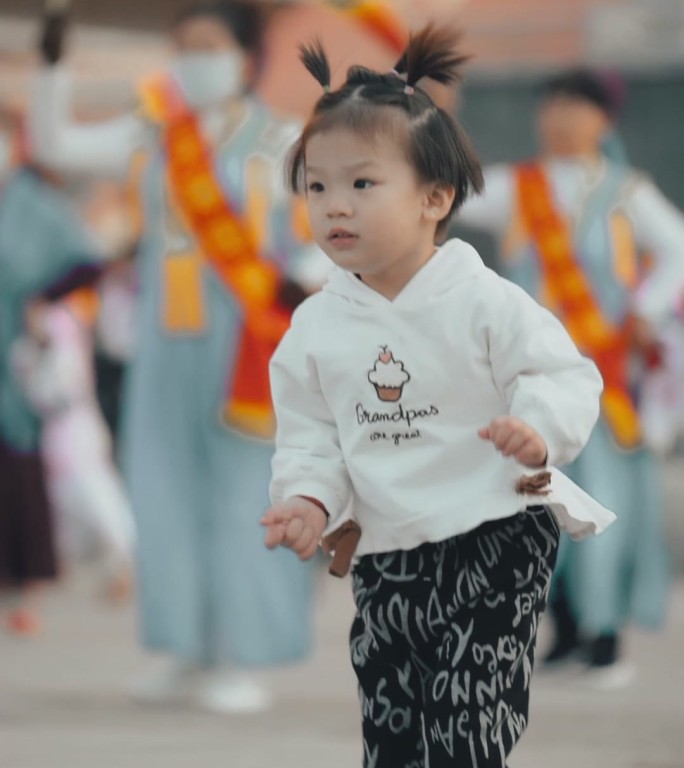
453	262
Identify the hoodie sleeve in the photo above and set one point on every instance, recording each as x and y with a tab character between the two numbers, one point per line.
544	379
308	459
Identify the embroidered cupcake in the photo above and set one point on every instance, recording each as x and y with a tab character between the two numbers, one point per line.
388	377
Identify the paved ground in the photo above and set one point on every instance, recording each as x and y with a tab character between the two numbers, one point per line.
63	701
63	704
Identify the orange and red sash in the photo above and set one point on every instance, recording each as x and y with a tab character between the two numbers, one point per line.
381	19
227	245
570	295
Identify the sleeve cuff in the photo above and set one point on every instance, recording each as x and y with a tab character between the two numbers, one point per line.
318	493
317	503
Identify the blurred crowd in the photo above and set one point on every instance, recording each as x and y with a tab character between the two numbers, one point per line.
148	266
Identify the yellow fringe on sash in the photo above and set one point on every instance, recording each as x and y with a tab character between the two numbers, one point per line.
625	260
618	410
252	419
183	307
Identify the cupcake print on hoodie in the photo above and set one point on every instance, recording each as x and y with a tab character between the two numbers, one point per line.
388	377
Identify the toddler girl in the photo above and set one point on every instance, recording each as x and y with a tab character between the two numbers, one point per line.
418	386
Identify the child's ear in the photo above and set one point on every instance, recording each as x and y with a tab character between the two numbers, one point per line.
438	201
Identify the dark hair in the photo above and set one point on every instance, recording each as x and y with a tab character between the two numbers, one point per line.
244	19
586	85
370	103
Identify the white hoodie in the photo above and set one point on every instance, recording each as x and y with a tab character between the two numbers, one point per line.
379	402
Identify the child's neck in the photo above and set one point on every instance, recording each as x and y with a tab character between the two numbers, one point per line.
392	281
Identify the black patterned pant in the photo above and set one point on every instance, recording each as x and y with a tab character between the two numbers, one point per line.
443	643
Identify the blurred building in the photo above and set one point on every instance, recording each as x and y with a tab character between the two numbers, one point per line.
515	44
524	35
117	40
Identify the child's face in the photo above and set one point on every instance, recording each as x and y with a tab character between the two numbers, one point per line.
368	209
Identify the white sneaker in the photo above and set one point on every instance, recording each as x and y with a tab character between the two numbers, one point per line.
176	682
613	677
234	693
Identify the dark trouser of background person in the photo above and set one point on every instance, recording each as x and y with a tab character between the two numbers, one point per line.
109	374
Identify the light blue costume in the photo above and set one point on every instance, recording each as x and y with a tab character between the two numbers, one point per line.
622	574
210	591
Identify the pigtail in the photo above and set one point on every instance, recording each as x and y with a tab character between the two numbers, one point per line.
314	59
358	75
432	53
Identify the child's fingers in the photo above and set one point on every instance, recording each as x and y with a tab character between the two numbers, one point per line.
305	538
513	443
524	454
509	438
275	535
310	551
287	528
307	544
532	453
501	433
293	531
274	516
513	438
499	427
526	458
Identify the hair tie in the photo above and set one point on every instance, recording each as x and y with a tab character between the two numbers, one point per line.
408	89
326	88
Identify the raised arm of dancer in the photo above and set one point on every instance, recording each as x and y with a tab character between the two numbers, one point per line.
659	232
57	141
64	145
492	209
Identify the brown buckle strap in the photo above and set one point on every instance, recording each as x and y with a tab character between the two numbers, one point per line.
342	542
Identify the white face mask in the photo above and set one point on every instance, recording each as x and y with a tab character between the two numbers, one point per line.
209	78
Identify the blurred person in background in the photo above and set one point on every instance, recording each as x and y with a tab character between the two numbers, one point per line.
612	144
45	252
5	152
53	361
599	245
220	267
10	141
114	339
113	329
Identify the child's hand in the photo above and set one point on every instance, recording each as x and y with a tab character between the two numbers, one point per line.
513	437
296	523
